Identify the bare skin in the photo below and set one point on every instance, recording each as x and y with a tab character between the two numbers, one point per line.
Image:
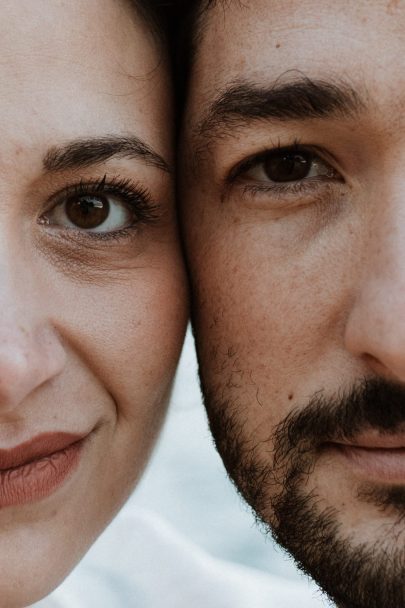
293	196
93	311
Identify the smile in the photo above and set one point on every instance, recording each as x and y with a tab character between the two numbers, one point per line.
380	459
36	468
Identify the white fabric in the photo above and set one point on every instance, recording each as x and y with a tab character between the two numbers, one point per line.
141	562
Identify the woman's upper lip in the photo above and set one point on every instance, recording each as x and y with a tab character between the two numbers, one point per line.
37	447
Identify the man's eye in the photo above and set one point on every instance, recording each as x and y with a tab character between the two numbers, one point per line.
286	165
91	212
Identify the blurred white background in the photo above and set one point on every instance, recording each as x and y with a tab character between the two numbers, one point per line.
187	485
141	562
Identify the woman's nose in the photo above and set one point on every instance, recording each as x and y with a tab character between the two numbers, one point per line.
30	355
31	351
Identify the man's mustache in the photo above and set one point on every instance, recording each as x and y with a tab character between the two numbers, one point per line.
371	404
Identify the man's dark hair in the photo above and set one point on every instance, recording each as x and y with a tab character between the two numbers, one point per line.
178	22
160	17
189	25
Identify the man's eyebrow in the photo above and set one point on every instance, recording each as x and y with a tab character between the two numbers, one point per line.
90	151
300	99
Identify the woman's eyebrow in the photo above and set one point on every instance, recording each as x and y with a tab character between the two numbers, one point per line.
299	98
90	151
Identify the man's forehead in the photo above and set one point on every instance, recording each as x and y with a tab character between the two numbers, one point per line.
260	40
287	14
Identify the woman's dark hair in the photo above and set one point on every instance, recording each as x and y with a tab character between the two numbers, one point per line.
178	23
160	15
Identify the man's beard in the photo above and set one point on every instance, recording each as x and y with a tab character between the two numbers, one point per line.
368	575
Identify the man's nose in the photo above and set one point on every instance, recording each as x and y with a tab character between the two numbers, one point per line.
375	330
31	352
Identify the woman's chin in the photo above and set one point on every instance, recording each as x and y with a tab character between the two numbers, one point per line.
28	578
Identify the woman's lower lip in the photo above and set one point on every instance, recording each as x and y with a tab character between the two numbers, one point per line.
39	478
385	465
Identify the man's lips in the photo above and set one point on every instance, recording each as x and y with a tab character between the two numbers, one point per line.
377	440
375	457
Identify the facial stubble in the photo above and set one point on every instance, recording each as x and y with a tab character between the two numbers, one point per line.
361	575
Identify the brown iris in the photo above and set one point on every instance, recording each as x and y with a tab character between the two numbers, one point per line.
87	211
287	165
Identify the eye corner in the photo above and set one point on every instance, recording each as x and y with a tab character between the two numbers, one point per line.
119	203
282	165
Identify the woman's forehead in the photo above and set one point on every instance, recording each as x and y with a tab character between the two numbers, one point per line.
80	68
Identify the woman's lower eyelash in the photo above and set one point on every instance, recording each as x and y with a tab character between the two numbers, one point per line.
104	236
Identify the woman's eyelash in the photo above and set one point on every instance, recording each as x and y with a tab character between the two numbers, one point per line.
137	198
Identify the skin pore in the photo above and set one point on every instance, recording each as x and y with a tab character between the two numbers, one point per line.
92	288
292	203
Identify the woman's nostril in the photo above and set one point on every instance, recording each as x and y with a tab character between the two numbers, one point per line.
28	359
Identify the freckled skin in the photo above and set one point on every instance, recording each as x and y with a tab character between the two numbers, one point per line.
392	6
91	329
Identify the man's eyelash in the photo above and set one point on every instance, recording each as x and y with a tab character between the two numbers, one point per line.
307	186
259	157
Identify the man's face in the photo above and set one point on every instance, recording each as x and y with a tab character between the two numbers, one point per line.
293	204
92	291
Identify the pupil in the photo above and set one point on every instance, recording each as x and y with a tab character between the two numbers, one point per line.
288	166
87	211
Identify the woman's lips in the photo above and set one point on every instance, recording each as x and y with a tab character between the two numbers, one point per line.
36	468
379	459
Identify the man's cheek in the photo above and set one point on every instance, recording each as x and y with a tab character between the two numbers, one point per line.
249	311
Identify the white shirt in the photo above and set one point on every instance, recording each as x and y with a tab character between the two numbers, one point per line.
142	562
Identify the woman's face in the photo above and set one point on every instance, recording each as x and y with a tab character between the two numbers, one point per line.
92	290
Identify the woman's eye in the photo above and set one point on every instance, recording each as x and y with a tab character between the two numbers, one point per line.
286	165
90	212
